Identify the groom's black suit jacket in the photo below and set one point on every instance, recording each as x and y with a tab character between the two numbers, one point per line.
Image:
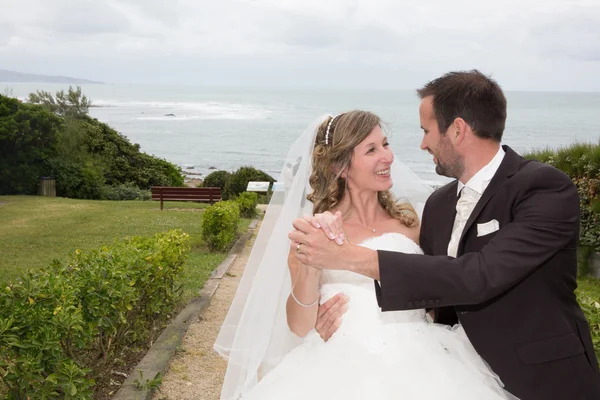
512	290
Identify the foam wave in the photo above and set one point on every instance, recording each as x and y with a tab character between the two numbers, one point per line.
167	118
189	110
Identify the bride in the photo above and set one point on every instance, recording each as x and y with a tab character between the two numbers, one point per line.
342	163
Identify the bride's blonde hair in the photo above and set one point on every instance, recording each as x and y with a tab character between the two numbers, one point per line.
333	151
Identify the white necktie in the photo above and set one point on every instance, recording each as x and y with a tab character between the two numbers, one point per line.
464	207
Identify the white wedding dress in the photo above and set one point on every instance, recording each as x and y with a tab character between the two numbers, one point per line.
380	355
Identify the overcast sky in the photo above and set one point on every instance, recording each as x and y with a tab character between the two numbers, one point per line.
525	44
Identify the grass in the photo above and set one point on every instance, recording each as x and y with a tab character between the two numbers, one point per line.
35	230
589	285
588	295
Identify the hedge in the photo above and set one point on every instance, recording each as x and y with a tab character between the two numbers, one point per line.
61	324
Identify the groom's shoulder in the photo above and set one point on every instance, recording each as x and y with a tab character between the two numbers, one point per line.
536	171
529	172
443	191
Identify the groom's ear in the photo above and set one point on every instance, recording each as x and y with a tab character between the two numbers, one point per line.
457	131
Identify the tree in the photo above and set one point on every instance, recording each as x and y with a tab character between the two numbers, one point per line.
28	139
123	160
73	104
54	136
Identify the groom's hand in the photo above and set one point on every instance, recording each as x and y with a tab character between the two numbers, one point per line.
330	224
330	314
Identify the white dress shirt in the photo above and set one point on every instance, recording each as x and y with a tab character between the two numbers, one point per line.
470	193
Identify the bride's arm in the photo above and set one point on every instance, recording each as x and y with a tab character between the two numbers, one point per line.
301	319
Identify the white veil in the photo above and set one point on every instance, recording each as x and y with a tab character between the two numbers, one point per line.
254	336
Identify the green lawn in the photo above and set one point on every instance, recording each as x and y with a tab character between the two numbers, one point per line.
35	230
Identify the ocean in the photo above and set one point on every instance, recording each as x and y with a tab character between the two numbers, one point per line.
202	129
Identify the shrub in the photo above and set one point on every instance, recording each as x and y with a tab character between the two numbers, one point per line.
219	225
125	192
216	179
77	180
588	188
238	182
247	202
265	198
60	324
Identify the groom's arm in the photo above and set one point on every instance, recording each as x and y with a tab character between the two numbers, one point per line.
546	220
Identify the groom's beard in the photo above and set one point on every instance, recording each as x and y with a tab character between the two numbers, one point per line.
453	165
451	170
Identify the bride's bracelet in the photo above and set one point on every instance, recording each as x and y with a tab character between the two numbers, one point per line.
302	304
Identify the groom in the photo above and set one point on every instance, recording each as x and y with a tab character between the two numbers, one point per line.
501	246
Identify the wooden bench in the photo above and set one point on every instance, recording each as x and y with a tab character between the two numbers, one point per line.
201	195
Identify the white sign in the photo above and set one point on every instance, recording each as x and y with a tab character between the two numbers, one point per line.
258	187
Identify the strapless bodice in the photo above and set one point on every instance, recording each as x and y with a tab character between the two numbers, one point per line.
363	313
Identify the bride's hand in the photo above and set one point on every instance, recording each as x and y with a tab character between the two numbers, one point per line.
330	224
330	314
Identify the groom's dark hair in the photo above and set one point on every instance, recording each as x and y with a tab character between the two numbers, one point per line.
469	95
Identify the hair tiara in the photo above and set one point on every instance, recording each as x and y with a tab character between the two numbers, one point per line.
328	127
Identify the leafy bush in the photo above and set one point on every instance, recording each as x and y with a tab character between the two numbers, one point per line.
588	188
219	225
265	198
581	162
77	179
125	192
247	202
60	324
238	182
216	179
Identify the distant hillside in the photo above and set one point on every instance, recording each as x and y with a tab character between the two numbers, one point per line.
12	76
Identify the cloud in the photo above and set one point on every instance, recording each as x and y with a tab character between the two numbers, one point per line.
71	18
576	35
526	43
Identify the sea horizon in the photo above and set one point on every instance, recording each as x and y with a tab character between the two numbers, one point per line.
220	127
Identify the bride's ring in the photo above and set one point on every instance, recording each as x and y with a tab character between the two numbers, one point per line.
298	248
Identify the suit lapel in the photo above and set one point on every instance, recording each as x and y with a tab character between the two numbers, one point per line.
508	167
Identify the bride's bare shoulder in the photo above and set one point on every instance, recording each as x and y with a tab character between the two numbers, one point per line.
411	232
